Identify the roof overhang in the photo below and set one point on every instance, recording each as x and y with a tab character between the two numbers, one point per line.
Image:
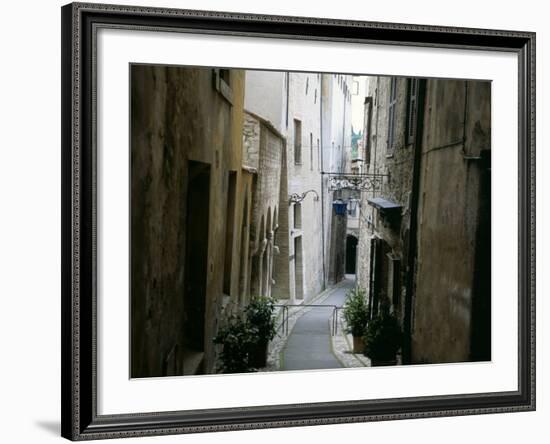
386	206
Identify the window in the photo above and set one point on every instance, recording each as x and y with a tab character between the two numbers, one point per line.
368	128
307	85
225	75
297	215
412	109
391	115
221	79
297	142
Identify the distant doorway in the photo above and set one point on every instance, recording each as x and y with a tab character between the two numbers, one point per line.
298	268
351	254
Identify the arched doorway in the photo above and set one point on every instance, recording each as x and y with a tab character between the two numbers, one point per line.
351	254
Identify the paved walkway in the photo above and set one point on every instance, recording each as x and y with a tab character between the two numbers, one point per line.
309	345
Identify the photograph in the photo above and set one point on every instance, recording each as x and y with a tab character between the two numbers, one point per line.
277	221
298	221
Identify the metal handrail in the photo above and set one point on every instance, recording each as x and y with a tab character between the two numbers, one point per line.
335	315
285	308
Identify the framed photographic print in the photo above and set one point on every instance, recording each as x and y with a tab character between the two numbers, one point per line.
278	221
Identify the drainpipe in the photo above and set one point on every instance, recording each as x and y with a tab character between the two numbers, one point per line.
411	259
377	99
322	145
287	74
342	155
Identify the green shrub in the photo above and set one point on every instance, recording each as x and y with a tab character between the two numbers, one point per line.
259	314
241	336
383	337
237	337
356	312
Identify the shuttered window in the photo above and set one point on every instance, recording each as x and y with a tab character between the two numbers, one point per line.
391	115
412	109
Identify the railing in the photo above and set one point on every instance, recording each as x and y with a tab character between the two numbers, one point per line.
285	316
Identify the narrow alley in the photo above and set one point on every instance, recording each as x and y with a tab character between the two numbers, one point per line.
309	344
324	199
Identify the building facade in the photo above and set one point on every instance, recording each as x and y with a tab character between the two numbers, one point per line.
425	231
337	133
190	202
263	148
309	111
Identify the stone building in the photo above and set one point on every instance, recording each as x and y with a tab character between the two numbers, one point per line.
263	148
337	133
425	232
191	202
308	110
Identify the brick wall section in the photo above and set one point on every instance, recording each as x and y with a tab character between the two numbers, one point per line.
263	149
251	142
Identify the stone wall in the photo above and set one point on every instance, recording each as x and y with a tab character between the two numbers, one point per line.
263	149
396	163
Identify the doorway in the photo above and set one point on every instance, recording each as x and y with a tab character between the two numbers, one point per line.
351	254
196	259
298	268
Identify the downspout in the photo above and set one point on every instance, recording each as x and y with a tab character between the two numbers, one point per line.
411	259
287	74
342	155
377	99
322	180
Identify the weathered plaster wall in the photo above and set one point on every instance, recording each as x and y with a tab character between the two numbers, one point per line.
452	274
451	289
177	117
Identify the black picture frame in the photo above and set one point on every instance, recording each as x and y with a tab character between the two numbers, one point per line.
79	396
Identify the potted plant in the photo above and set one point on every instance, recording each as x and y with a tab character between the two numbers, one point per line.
356	316
237	337
383	339
259	314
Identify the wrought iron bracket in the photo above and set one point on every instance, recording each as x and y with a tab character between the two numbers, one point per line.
296	198
352	181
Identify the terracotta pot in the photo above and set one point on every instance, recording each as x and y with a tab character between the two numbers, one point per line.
257	356
358	344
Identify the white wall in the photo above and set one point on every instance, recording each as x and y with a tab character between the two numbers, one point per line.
270	87
30	239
